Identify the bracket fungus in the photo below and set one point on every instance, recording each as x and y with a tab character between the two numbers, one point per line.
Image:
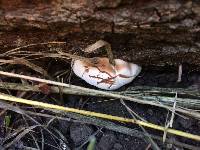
99	72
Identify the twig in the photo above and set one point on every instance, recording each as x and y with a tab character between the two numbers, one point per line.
92	92
146	96
99	44
6	97
95	121
157	90
22	134
170	122
173	112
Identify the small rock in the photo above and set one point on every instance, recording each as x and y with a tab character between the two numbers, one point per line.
185	123
150	112
63	126
117	146
106	142
80	133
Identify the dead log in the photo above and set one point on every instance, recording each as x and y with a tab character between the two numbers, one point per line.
151	32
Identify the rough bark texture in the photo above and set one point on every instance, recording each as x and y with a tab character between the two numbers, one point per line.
149	32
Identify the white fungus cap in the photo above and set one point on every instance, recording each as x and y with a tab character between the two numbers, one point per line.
99	72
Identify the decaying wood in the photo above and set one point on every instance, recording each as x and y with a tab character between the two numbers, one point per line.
151	32
98	15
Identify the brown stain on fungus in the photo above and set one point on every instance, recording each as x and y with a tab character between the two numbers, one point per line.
102	64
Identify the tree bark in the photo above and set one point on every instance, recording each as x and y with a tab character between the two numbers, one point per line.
150	32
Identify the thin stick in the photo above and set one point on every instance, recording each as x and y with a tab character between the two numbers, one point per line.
173	112
73	117
191	103
93	92
157	90
98	115
91	48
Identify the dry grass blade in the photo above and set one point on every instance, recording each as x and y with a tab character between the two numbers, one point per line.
148	137
72	89
59	54
170	122
21	135
91	48
194	91
62	138
173	113
22	112
20	132
191	103
30	133
95	121
32	55
42	139
95	114
27	63
29	45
